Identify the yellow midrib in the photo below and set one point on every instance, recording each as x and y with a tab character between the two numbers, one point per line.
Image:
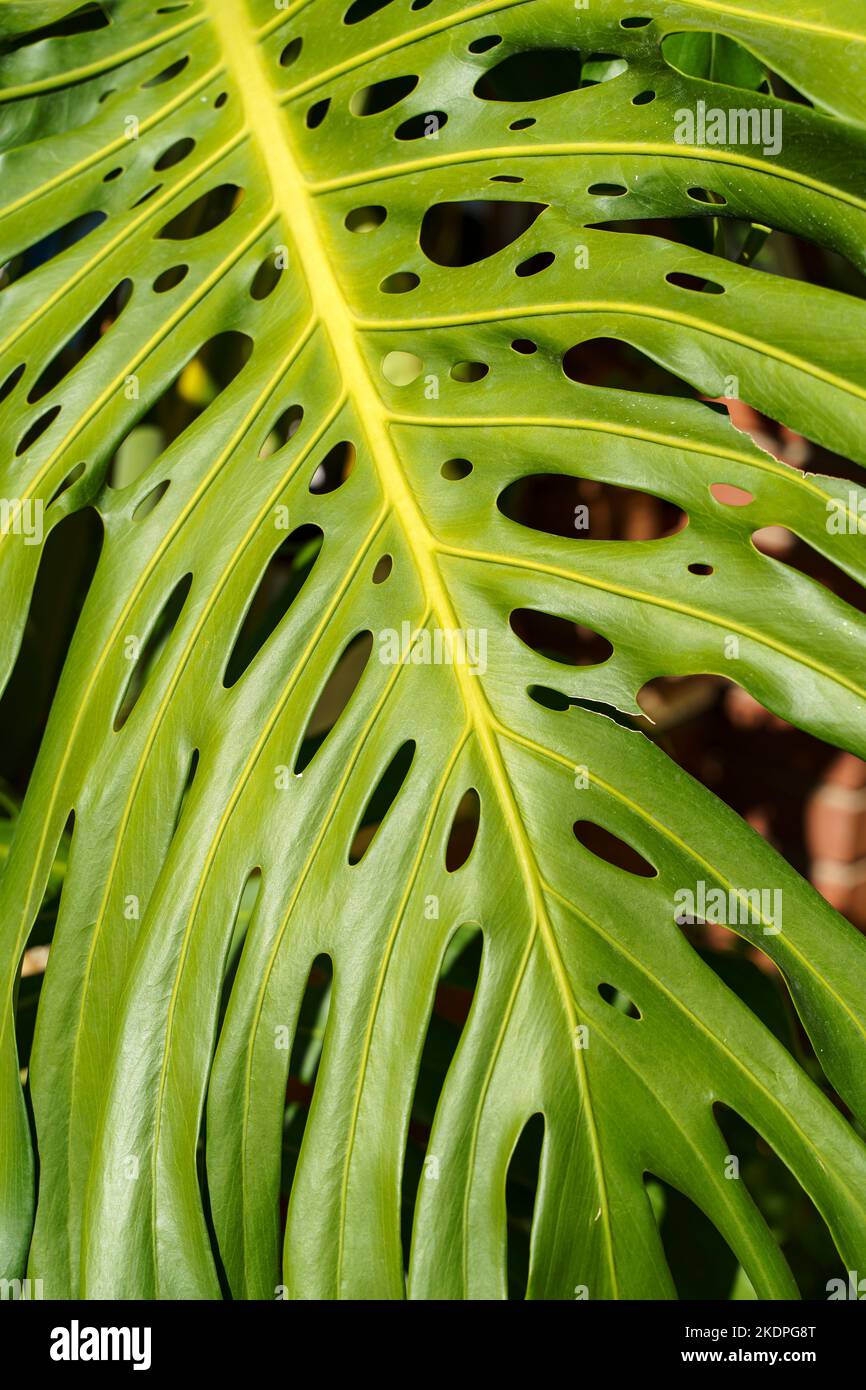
293	199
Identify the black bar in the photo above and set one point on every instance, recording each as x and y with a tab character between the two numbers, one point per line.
825	1336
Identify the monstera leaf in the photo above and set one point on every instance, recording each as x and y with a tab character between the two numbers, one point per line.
251	209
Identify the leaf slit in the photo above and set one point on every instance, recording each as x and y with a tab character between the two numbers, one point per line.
146	655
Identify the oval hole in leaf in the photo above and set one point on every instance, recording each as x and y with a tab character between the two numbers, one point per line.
694	282
362	9
401	368
449	1010
521	1187
617	1000
308	1045
705	195
548	698
559	639
607	190
202	215
422	126
175	153
337	465
206	374
335	695
146	196
455	469
535	264
282	580
468	372
150	650
464	831
580	509
602	67
150	499
36	430
454	234
167	74
80	343
134	455
381	800
482	45
317	113
167	279
291	53
400	282
192	769
245	906
381	96
12	381
605	845
365	219
67	563
27	986
731	496
282	430
618	366
47	247
266	278
532	75
69	481
384	565
84	19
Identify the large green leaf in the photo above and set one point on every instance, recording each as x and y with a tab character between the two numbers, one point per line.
133	1051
